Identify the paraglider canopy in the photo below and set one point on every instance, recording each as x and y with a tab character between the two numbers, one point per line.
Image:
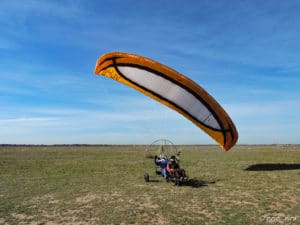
172	89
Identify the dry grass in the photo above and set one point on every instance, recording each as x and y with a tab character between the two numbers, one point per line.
104	185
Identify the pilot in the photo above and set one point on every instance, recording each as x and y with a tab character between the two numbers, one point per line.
162	162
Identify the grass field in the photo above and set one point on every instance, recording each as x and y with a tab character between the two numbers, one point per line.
104	185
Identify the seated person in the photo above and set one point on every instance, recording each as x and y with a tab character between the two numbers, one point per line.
174	169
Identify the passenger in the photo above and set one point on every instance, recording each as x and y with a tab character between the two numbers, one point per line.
172	165
174	169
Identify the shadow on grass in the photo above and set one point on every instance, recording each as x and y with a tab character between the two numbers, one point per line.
195	183
273	166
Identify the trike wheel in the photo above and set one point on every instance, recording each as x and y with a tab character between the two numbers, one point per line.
146	177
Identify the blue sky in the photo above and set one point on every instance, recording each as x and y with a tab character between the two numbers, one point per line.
244	53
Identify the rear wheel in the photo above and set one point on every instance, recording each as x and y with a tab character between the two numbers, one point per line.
146	177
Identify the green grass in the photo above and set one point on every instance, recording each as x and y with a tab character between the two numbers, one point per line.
104	185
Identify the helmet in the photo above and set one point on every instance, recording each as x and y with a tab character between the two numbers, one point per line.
172	159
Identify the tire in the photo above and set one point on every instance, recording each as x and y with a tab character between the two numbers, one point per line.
146	177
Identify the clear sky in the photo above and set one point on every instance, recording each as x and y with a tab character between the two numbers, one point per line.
244	53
